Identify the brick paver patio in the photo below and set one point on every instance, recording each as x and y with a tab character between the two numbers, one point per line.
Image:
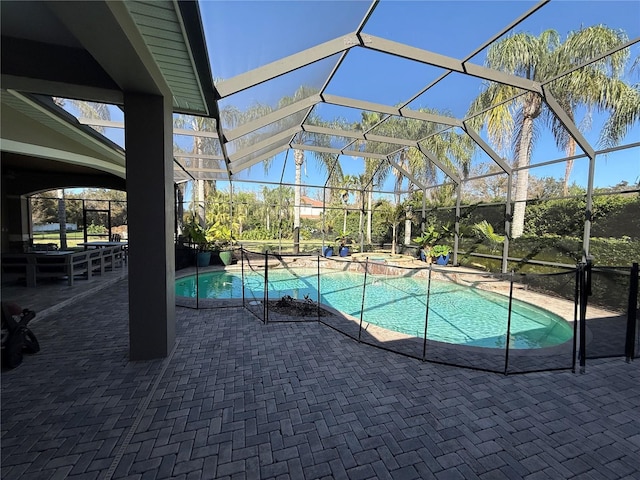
239	399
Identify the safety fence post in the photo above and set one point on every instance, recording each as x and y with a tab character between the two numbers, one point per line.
318	303
265	307
364	288
242	274
585	291
576	302
197	284
426	317
632	314
507	340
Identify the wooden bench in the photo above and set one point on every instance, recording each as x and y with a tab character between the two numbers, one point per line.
16	267
33	266
37	265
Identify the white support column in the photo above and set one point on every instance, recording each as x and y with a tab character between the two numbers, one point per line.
456	228
148	136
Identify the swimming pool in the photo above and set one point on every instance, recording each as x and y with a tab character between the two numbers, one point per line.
457	314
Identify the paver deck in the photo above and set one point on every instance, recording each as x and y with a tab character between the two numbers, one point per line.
239	399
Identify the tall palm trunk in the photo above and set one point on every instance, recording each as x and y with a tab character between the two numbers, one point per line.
298	156
369	215
394	228
344	221
200	208
180	207
522	181
571	151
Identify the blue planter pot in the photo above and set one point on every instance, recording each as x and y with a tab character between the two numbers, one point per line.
443	260
327	252
203	259
344	251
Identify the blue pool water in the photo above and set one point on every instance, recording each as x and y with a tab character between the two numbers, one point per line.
457	314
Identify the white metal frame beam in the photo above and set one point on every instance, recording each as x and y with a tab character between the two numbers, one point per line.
448	63
272	117
285	65
285	135
243	164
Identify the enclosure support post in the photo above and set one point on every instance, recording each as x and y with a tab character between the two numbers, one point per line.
456	228
507	340
507	223
149	140
576	301
324	216
197	285
230	209
588	214
632	313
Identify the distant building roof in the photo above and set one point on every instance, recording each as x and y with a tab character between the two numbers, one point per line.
304	200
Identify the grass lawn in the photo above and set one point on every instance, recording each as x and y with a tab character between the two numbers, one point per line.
73	238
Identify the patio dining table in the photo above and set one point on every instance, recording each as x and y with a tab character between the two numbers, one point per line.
102	244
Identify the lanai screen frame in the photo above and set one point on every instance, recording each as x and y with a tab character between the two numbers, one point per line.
266	147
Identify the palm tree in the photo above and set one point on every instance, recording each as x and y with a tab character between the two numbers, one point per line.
515	125
348	182
391	215
200	146
485	230
327	161
452	148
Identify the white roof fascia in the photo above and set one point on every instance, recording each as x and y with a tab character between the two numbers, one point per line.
97	122
63	156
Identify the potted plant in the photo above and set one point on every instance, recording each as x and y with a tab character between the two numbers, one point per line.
426	242
198	236
441	253
343	238
223	241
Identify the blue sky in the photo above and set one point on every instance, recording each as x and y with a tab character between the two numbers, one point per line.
451	28
245	35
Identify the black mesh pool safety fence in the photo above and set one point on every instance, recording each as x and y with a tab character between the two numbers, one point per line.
254	279
505	323
612	321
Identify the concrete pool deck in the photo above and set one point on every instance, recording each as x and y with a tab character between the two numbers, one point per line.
239	399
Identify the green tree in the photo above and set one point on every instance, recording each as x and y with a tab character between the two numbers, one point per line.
391	215
597	85
327	161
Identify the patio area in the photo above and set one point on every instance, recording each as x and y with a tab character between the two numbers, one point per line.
239	399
